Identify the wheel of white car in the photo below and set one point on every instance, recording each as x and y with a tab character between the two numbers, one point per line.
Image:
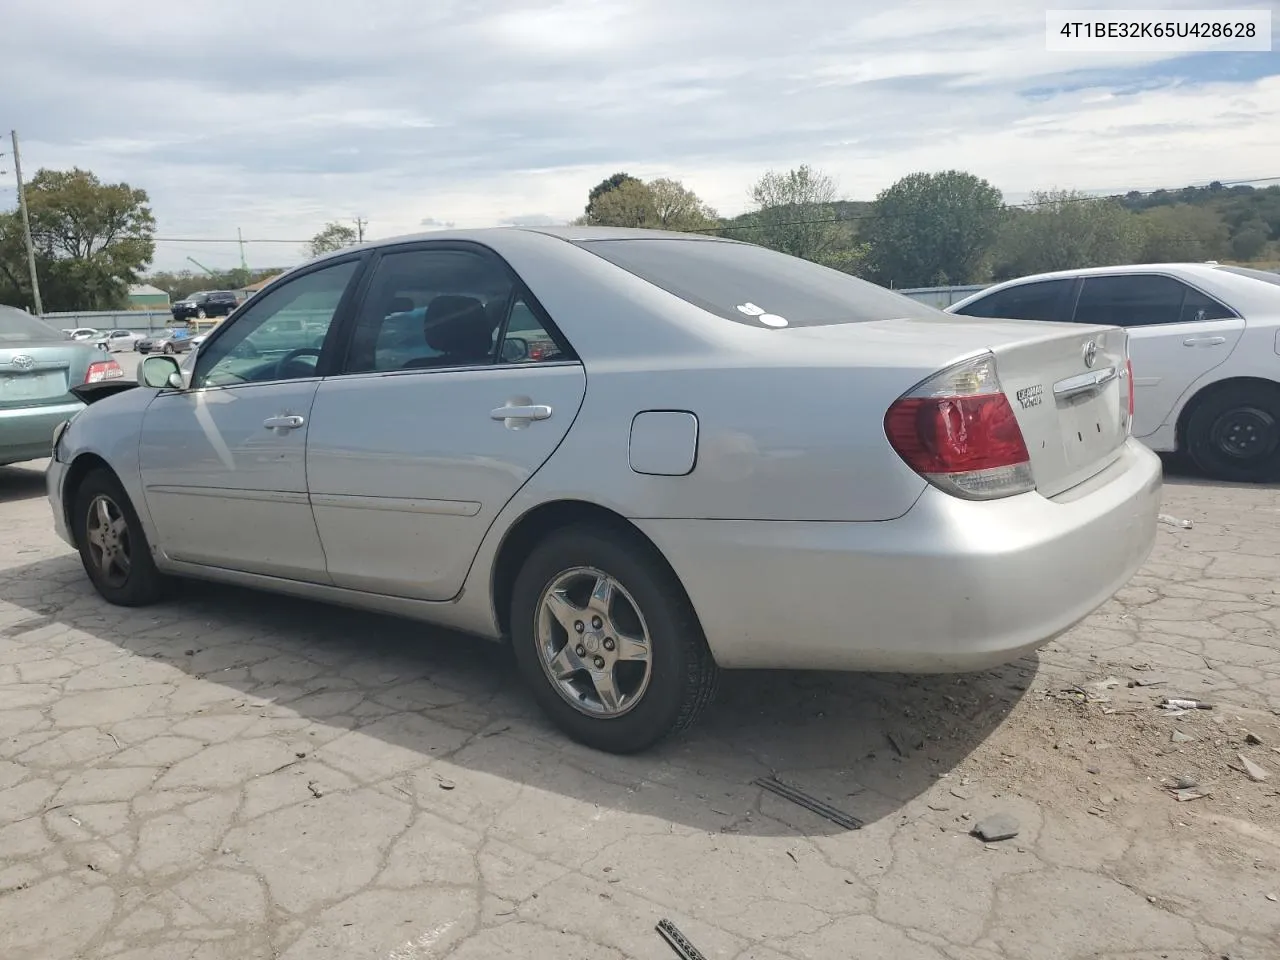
113	547
1234	433
608	642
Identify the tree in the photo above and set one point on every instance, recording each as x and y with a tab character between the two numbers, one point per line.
91	239
661	204
629	205
607	185
676	207
933	229
333	237
1065	230
1250	240
1182	233
794	214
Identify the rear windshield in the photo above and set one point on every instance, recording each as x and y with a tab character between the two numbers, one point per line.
753	285
19	327
1263	275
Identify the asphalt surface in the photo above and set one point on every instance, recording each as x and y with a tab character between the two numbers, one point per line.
231	776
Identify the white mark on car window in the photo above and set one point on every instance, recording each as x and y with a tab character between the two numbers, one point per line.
772	320
750	309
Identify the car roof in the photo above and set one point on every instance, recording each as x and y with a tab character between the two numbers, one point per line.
1192	269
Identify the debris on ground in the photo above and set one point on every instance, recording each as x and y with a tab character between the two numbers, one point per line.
1189	793
315	791
809	802
999	826
677	941
1179	737
445	783
1178	705
1185	783
1148	682
1253	739
1174	521
1254	771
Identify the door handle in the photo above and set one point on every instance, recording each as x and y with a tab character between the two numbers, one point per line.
535	411
283	423
1203	341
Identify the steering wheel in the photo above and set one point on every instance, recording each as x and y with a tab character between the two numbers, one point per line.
290	357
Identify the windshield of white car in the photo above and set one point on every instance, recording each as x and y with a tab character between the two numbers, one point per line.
1263	275
17	326
753	285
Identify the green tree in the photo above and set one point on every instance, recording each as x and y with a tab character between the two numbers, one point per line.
1249	240
794	213
630	204
92	240
607	185
1065	230
676	207
333	237
933	228
1182	233
662	204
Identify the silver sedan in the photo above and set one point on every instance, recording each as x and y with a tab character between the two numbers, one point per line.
638	457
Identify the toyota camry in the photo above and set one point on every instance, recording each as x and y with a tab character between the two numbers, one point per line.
638	457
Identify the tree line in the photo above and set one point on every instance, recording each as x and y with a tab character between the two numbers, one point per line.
93	239
953	228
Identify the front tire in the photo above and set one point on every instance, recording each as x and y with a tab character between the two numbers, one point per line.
1234	434
113	547
608	642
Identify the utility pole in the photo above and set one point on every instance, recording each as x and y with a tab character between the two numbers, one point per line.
243	264
26	226
360	225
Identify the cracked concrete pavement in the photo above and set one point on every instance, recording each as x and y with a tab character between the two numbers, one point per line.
232	775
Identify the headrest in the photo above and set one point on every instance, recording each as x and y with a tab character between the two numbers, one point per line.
458	326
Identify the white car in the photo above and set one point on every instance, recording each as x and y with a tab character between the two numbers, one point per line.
117	340
638	457
1204	340
81	333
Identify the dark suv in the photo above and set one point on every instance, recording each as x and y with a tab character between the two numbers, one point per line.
207	303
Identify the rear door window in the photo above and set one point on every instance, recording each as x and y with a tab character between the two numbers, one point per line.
1143	300
755	286
1041	300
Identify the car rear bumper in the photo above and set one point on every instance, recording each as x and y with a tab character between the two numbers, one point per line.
951	586
26	433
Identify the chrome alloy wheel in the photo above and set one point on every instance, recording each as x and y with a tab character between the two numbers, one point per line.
593	643
110	548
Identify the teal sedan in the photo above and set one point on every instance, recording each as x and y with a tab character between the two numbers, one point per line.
38	369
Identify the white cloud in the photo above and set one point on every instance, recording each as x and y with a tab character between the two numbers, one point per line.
275	118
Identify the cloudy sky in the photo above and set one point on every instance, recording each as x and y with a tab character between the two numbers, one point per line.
277	115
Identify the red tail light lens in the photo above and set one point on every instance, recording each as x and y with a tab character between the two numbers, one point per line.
958	431
101	370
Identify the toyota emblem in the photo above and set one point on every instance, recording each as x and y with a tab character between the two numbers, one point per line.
23	362
1090	353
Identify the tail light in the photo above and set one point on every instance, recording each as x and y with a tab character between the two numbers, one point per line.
101	370
958	431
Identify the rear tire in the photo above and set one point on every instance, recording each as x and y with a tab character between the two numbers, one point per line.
112	545
642	701
1234	434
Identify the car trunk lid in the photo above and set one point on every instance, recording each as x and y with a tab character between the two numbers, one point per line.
34	375
1070	400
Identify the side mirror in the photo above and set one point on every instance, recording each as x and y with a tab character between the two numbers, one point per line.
161	371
